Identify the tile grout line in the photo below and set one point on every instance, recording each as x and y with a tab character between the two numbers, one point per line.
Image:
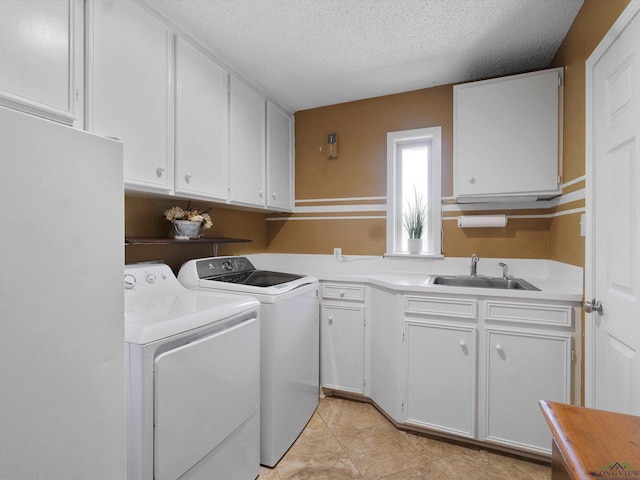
347	454
335	437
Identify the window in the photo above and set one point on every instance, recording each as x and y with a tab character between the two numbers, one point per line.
413	174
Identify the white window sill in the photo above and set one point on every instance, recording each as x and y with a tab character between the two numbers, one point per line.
414	256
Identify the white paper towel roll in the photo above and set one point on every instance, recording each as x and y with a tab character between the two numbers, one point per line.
482	221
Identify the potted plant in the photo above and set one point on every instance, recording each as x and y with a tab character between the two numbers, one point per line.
186	222
415	219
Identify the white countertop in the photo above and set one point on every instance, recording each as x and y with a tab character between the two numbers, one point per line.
556	281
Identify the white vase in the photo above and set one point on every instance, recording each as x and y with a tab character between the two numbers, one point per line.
415	245
185	229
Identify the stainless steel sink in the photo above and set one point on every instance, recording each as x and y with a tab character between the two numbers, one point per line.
480	282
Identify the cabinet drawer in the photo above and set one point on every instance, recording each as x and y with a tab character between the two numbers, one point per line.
447	307
529	313
343	292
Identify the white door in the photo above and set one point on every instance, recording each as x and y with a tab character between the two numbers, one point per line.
613	242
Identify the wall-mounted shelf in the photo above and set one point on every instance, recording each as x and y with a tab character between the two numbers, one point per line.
193	241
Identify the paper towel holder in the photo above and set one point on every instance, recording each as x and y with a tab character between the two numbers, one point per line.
482	221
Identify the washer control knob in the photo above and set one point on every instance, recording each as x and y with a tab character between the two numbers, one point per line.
227	265
151	278
129	281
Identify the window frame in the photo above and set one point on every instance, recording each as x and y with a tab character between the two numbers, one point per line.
432	135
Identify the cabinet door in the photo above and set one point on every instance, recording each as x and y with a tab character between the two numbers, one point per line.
441	377
129	90
37	57
280	166
523	368
202	158
506	136
247	145
343	347
386	325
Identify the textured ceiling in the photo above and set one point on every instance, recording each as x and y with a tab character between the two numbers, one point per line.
309	53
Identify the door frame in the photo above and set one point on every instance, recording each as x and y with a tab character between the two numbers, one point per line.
589	281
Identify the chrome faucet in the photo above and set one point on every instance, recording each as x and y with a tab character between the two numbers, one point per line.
474	265
505	270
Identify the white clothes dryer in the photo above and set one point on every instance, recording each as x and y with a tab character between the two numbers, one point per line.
193	380
290	339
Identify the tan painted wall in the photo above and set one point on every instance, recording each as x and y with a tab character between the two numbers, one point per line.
592	23
360	171
144	218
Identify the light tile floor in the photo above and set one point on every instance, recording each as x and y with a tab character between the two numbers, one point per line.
346	439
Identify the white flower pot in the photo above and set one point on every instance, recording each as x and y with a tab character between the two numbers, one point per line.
185	229
415	245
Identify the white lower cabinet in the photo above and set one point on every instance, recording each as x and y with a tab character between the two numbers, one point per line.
343	337
441	376
470	366
523	367
386	334
343	347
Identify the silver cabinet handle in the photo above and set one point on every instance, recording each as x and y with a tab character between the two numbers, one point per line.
159	171
593	306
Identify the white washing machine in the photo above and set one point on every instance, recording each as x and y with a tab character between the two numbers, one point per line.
193	380
290	333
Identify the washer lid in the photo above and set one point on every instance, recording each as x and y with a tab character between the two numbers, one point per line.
154	318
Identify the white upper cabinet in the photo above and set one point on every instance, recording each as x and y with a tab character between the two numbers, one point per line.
188	128
201	128
280	168
247	145
41	44
506	137
129	89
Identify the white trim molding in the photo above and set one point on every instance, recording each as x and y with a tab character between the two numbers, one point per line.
342	208
355	217
344	199
573	182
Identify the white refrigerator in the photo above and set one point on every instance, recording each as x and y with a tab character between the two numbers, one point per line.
62	412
